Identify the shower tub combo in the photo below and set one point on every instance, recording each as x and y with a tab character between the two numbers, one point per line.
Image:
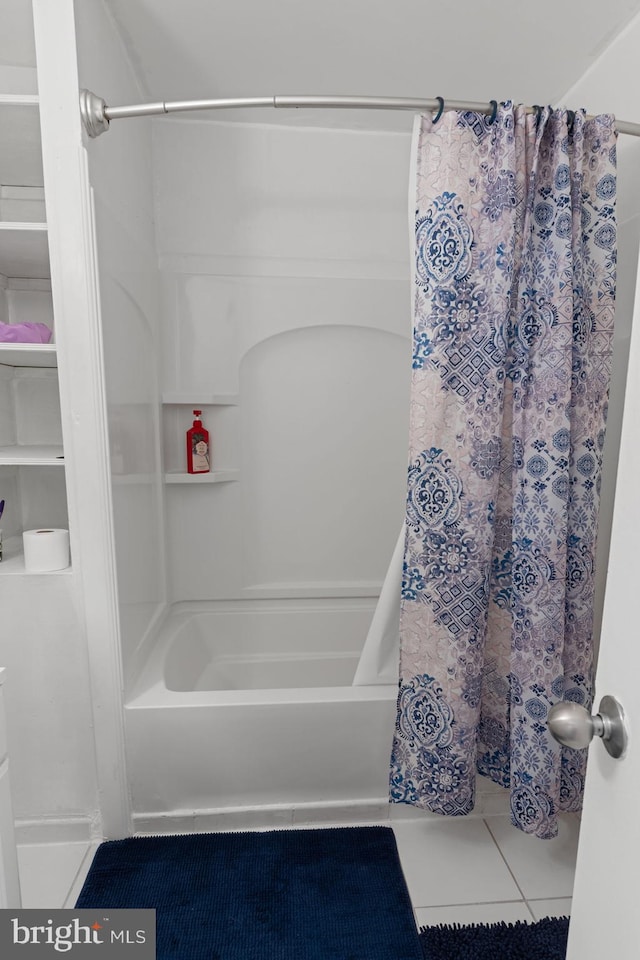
249	706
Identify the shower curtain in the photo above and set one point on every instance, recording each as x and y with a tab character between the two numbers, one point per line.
514	269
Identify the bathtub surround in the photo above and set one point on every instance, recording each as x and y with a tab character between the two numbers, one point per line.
514	302
305	893
265	324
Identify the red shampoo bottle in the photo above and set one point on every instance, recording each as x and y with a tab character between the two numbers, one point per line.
198	456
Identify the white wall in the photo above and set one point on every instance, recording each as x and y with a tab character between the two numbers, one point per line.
284	257
120	174
51	744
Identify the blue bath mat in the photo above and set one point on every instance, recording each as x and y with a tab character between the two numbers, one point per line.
545	940
331	894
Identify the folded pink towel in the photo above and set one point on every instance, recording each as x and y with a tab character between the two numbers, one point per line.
24	333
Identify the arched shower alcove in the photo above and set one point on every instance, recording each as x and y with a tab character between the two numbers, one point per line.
323	426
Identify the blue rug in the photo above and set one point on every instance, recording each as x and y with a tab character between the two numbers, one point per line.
331	894
545	940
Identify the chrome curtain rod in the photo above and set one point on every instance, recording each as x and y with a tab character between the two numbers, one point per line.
96	114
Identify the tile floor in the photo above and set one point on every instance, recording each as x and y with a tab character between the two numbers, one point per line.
463	871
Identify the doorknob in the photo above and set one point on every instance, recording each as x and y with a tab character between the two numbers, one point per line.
573	725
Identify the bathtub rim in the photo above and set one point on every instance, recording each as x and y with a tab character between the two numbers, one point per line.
148	689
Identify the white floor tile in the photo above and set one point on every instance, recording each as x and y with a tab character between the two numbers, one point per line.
48	871
551	908
406	811
452	861
453	869
467	913
543	869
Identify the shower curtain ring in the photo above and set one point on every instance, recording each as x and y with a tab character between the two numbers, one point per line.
494	104
440	109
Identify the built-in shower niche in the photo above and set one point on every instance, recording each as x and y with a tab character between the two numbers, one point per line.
220	419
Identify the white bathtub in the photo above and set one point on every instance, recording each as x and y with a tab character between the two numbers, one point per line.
247	705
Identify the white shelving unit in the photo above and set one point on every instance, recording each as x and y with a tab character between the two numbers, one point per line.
31	492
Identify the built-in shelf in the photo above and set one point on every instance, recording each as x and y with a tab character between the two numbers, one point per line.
24	250
176	422
21	155
215	476
31	455
28	354
19	100
13	560
201	400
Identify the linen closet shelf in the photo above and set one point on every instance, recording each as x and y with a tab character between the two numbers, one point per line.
30	435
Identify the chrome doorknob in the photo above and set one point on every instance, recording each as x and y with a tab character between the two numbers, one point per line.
573	725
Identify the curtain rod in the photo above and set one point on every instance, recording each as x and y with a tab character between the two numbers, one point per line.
96	115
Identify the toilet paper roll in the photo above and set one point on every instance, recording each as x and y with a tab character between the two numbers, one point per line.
45	549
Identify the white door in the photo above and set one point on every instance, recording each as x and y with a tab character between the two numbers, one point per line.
604	918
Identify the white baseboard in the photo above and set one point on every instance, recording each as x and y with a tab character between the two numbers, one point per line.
271	817
489	803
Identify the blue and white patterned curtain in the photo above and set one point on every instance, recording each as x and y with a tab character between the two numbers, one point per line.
515	258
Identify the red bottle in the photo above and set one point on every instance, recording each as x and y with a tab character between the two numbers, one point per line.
198	459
